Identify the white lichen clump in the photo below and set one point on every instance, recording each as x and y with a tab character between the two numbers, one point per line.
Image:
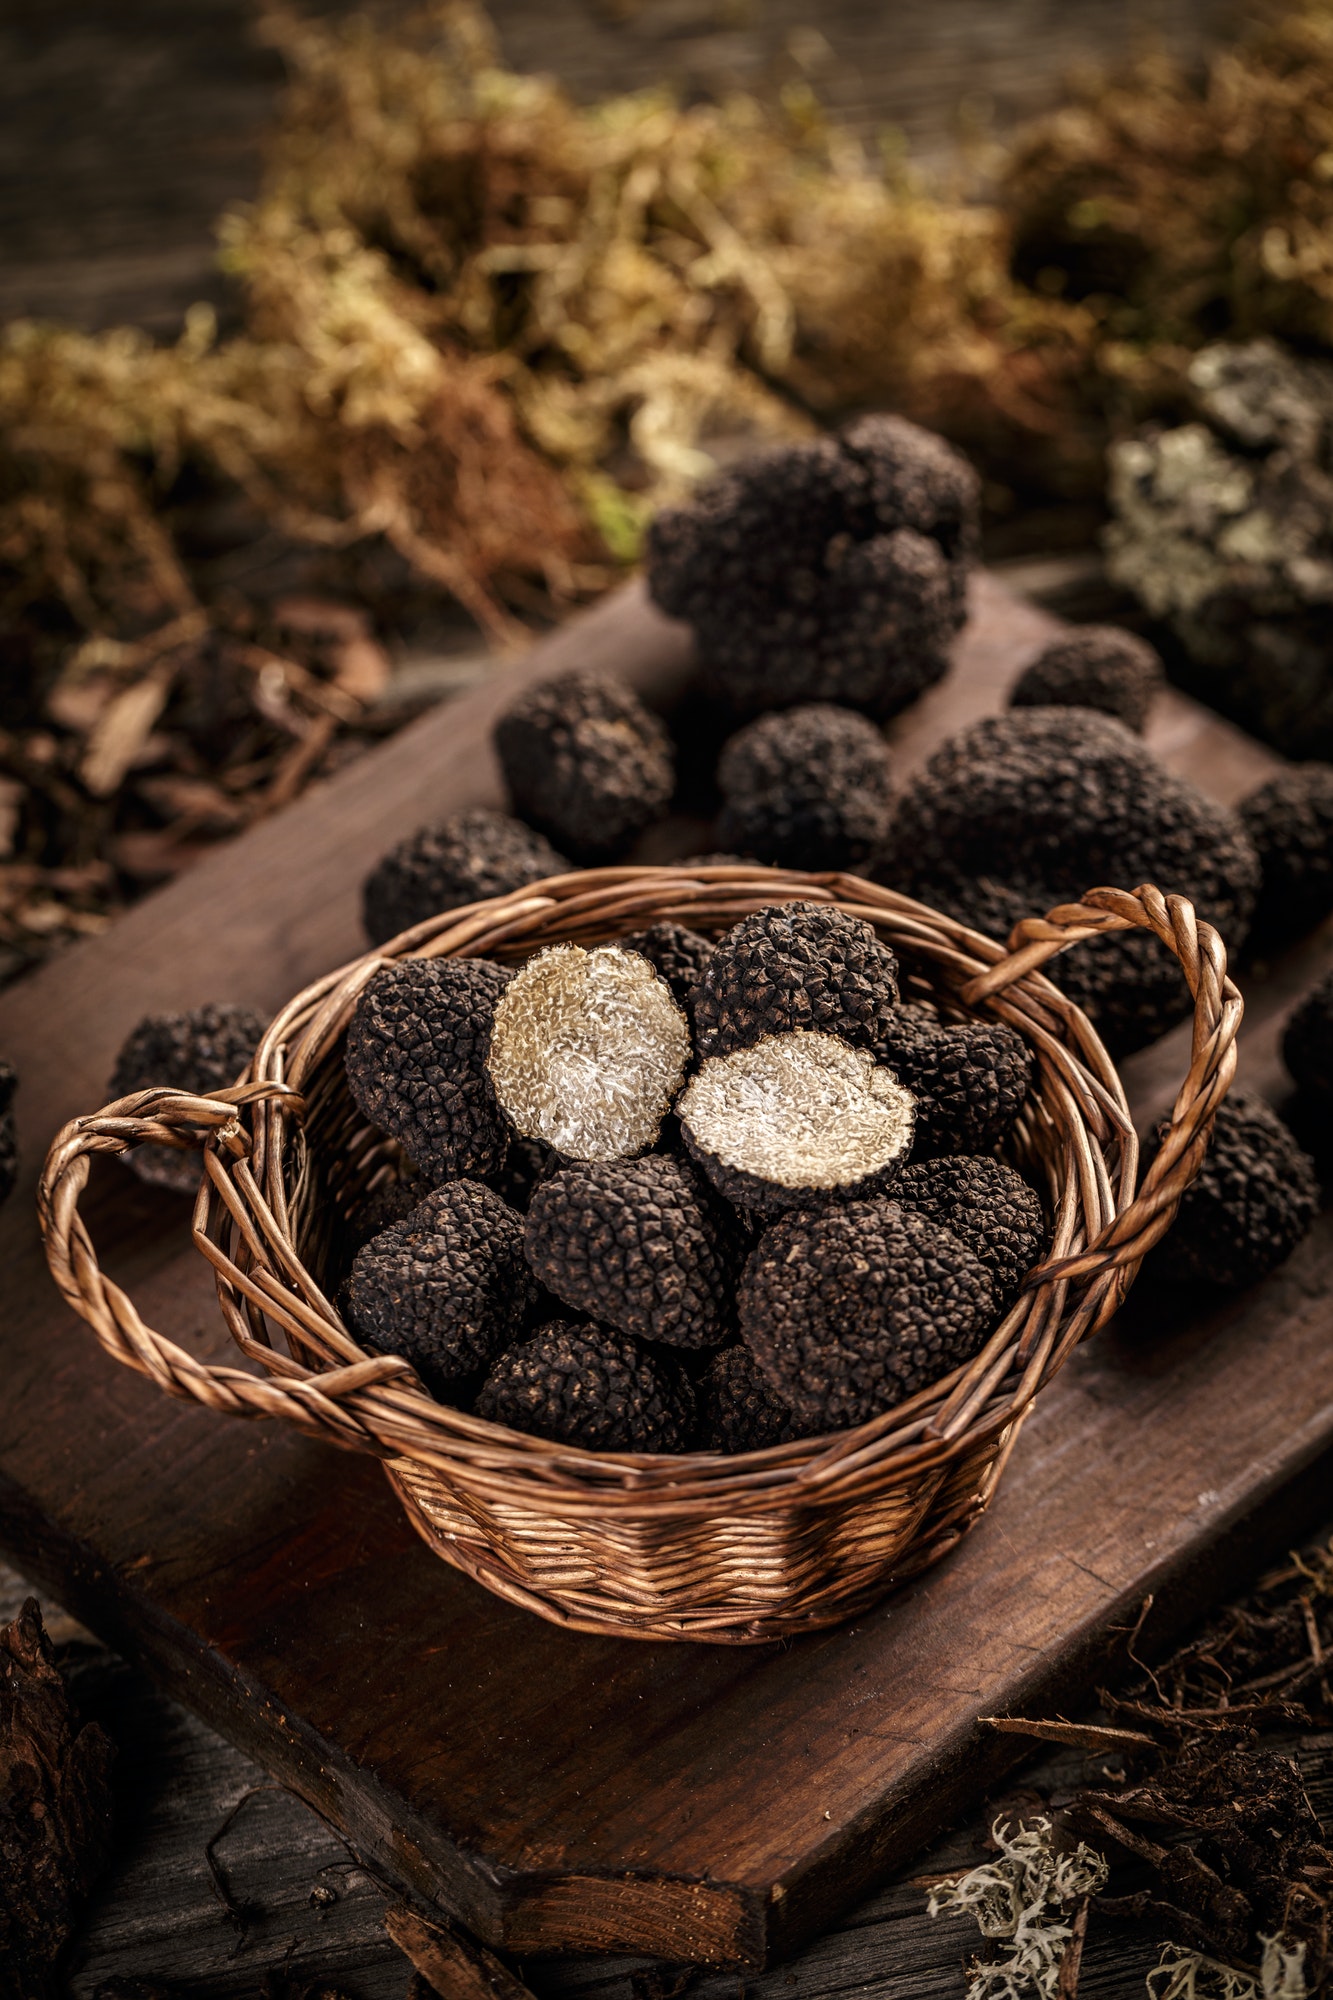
1024	1898
801	1110
1189	1975
588	1051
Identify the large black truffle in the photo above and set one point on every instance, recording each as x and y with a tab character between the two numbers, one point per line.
9	1151
416	1062
969	1078
1255	1197
806	788
466	858
1307	1049
794	1120
987	1206
680	955
1290	821
1031	808
795	965
829	571
738	1408
448	1287
584	1385
586	763
1097	666
641	1245
201	1051
850	1310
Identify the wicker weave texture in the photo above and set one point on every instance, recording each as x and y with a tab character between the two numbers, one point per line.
699	1546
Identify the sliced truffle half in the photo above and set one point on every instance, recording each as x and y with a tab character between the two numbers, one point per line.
588	1052
795	1119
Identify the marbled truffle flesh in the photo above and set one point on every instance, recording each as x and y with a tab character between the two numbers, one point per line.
584	1385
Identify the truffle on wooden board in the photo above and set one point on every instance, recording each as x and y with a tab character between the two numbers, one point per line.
1290	821
464	859
806	788
585	763
200	1051
1094	666
1253	1199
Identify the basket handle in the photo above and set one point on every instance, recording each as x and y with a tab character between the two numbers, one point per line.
1218	1008
323	1405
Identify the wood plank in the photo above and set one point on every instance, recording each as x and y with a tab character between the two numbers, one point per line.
557	1791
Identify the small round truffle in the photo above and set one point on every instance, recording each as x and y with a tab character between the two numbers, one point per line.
850	1310
680	955
795	965
201	1051
1032	808
640	1245
1307	1046
806	788
1255	1197
448	1287
416	1062
738	1408
969	1079
466	858
9	1151
795	1119
584	1385
586	763
1095	666
833	570
1290	821
987	1206
588	1052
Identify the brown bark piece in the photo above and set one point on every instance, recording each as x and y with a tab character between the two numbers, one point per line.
55	1809
454	1966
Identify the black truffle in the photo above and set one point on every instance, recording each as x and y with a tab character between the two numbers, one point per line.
201	1051
585	763
9	1151
641	1245
850	1310
987	1206
680	955
806	788
390	1202
828	571
448	1287
584	1385
416	1062
1290	821
1096	666
464	859
1031	808
738	1408
795	1120
969	1079
1307	1048
795	965
1255	1197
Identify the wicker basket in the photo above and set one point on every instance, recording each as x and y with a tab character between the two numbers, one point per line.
704	1547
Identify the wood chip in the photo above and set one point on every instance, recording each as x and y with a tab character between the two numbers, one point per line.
457	1967
1079	1735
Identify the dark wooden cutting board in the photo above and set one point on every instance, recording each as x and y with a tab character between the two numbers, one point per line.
551	1790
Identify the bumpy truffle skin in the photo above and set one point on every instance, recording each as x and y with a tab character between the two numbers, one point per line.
9	1153
586	763
416	1062
806	788
1290	821
466	858
680	955
829	571
1031	808
987	1206
448	1287
853	1309
200	1051
738	1407
1097	666
641	1245
795	965
969	1079
1307	1047
585	1385
1255	1197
